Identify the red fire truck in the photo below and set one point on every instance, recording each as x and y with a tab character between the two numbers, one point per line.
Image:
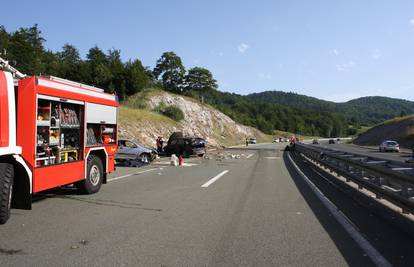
53	132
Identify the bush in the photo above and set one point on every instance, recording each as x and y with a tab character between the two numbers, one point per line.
172	112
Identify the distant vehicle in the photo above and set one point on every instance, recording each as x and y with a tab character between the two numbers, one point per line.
185	146
388	145
275	140
338	139
252	140
315	142
331	141
130	150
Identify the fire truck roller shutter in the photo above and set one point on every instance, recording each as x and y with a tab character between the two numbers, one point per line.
96	113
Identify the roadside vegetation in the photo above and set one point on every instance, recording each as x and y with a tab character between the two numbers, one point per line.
172	112
400	129
268	111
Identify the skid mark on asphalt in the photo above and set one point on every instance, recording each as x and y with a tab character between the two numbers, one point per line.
9	252
102	202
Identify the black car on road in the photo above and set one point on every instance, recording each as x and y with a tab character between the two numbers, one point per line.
185	146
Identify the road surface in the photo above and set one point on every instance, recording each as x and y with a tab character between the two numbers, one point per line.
369	151
241	207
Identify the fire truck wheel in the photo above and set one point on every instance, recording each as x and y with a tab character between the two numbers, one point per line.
6	189
94	177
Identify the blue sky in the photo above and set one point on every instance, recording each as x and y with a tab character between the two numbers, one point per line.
334	50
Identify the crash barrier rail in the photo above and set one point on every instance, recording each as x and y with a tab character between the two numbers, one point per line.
387	179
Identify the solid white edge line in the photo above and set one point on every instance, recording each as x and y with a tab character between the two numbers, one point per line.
371	252
129	175
249	156
215	178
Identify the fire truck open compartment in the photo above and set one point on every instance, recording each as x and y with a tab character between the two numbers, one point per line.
59	125
59	131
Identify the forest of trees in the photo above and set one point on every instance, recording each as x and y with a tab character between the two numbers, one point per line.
25	50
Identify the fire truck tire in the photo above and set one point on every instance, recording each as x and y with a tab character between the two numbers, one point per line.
94	176
6	189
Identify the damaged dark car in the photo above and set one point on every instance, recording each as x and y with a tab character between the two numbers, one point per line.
185	146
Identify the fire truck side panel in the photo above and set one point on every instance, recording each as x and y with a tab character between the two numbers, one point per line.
108	152
56	175
4	110
26	120
111	150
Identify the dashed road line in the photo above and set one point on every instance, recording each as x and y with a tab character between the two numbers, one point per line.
128	175
371	252
272	157
215	178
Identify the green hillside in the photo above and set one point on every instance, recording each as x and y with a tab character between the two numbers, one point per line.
365	110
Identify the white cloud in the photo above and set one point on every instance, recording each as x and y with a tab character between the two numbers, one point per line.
243	47
335	52
265	76
220	54
196	60
346	66
412	21
376	54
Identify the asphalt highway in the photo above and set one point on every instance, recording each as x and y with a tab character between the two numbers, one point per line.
246	206
402	156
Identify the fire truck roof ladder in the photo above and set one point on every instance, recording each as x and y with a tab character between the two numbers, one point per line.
4	64
57	79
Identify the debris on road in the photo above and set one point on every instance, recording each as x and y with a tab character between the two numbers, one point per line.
220	155
173	160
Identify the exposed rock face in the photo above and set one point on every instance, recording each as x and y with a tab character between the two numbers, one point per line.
199	120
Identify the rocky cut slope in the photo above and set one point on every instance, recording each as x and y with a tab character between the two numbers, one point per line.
140	122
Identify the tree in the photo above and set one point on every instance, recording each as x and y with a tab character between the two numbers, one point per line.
25	50
70	67
99	72
136	77
4	40
200	79
171	70
117	69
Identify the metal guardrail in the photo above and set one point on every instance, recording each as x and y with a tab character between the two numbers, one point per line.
388	179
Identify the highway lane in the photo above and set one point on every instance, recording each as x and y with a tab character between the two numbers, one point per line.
369	151
257	213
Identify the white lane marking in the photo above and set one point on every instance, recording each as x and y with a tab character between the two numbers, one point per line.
249	156
372	253
215	178
169	163
128	175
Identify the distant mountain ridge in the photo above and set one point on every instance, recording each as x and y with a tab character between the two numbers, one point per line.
366	110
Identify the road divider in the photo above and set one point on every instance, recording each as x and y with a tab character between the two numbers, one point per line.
215	178
344	221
